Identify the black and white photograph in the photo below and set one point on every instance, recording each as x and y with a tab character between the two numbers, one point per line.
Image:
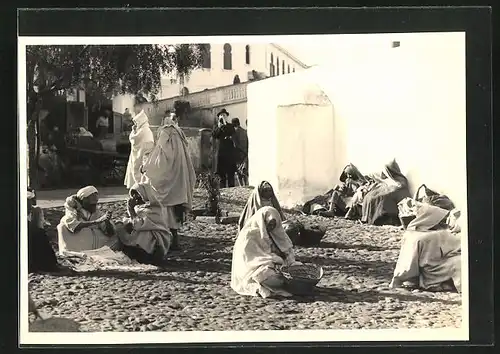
228	188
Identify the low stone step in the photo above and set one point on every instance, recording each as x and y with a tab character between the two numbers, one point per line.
206	219
226	220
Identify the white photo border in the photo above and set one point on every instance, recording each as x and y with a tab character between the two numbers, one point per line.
115	338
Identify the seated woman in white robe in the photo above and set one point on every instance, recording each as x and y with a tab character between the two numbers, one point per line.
260	197
430	255
144	234
169	170
261	248
83	227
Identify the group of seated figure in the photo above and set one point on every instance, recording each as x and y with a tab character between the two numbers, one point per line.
429	257
372	199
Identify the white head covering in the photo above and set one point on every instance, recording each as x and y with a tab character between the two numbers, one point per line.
86	191
427	216
31	195
140	119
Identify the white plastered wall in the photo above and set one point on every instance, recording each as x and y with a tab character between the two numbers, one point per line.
406	103
302	182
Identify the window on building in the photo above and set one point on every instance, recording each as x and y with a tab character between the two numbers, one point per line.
247	54
289	69
228	65
271	66
283	67
293	69
206	57
277	65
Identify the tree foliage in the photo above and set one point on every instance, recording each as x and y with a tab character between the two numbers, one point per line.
106	70
102	71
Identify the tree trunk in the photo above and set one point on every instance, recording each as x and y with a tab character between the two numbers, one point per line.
38	143
33	135
32	170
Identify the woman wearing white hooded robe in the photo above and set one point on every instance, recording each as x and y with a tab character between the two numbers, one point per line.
141	143
169	170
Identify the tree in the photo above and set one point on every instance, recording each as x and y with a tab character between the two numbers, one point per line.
102	71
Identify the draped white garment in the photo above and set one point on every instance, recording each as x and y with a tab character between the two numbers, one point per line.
169	168
256	253
431	256
88	238
150	231
141	144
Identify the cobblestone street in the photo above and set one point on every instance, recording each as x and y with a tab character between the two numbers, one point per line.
193	292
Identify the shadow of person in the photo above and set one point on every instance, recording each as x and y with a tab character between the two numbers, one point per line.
376	269
370	296
339	245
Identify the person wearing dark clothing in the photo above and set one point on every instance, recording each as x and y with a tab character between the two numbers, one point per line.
240	140
226	155
41	255
58	140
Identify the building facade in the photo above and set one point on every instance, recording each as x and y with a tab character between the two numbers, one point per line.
213	86
231	63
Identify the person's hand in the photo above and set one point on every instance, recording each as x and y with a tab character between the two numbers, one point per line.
100	219
105	217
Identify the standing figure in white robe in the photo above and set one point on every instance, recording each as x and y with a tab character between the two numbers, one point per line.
141	143
169	170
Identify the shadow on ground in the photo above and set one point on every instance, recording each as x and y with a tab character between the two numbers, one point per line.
350	267
205	244
370	296
338	245
157	275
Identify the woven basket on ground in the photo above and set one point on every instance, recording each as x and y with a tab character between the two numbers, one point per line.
311	235
304	235
302	278
292	229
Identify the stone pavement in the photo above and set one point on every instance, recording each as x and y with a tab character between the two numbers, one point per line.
56	198
193	290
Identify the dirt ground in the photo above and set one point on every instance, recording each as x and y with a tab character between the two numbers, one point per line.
193	292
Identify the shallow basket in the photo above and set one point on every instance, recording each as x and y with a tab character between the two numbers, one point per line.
301	278
310	235
292	229
54	324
